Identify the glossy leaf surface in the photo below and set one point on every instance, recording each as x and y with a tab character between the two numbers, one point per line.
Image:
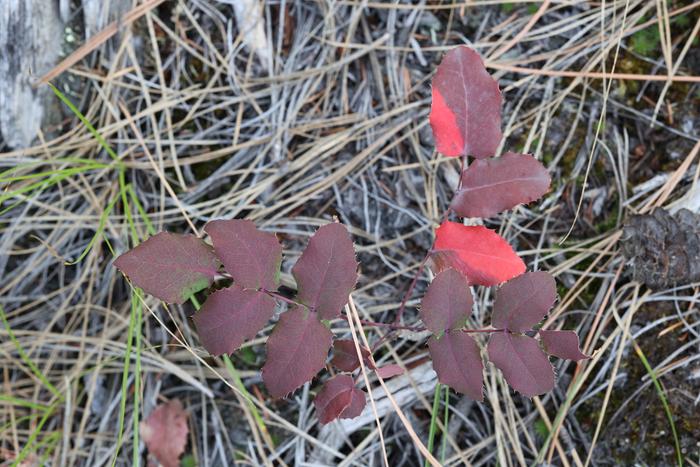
562	344
482	255
466	110
296	351
170	266
493	185
457	362
231	316
345	355
327	271
524	301
165	433
525	367
447	303
251	256
339	398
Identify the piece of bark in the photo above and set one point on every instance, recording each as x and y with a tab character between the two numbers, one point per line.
663	250
31	37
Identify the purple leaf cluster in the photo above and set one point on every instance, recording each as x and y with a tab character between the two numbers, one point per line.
465	118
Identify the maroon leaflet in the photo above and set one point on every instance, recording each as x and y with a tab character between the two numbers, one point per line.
389	371
326	271
523	302
296	351
345	355
170	266
493	185
447	303
466	110
339	398
525	367
457	362
165	433
562	344
482	255
231	316
251	256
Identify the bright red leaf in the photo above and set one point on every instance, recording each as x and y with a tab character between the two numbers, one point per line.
522	302
447	303
251	256
466	110
457	362
339	398
231	316
562	344
165	433
170	266
524	365
296	351
482	255
493	185
345	355
327	271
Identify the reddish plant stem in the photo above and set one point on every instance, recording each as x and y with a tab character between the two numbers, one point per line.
408	293
393	326
281	297
445	216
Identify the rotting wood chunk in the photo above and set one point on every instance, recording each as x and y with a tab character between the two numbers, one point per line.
663	250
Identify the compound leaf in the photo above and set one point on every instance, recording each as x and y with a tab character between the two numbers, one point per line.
522	302
466	109
562	344
339	398
345	355
296	351
251	256
447	302
493	185
524	365
170	266
326	271
457	362
482	255
231	316
165	433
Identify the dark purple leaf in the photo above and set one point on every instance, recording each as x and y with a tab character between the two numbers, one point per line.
170	266
447	302
493	185
466	110
357	404
523	302
326	271
389	371
562	344
482	255
524	365
251	256
345	355
339	398
231	316
296	351
457	362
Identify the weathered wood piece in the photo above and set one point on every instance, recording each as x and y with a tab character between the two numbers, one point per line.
31	37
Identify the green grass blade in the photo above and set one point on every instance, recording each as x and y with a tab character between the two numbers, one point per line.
433	420
662	395
96	134
25	358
